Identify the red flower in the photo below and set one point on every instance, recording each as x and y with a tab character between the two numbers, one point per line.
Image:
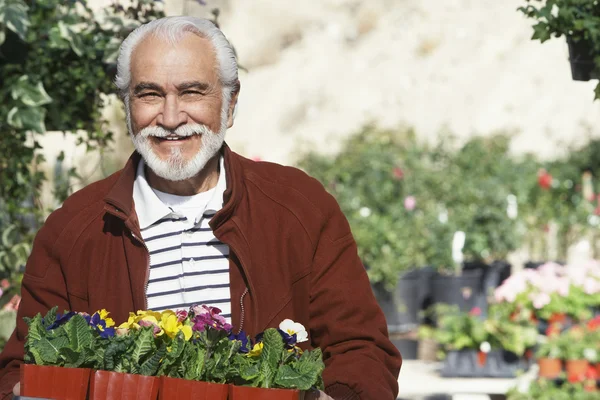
397	173
475	312
553	330
591	373
594	324
4	284
575	378
544	179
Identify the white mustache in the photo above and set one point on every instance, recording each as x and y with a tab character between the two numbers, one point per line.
182	131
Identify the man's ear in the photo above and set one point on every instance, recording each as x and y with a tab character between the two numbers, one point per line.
233	103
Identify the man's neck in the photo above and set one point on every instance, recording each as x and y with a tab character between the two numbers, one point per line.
205	180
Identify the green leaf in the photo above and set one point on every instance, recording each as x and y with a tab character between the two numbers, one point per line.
50	317
150	366
13	14
47	351
142	345
31	118
8	322
271	356
79	333
29	93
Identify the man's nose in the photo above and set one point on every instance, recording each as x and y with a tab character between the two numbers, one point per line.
172	115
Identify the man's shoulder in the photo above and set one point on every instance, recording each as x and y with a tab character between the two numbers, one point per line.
289	186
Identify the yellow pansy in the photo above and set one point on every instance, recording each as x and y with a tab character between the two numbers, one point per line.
103	315
256	350
171	325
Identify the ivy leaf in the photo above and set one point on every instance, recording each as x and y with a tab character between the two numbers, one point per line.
31	118
30	94
13	15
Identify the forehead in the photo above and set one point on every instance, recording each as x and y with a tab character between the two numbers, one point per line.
191	58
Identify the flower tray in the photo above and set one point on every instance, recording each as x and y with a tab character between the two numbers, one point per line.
250	393
183	389
57	383
120	386
473	364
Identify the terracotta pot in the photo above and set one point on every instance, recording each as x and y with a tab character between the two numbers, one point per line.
54	382
549	367
183	389
119	386
250	393
598	369
577	367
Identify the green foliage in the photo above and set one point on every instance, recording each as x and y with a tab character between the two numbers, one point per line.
69	345
576	19
279	366
57	59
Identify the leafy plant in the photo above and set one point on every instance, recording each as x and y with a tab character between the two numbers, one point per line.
576	19
280	365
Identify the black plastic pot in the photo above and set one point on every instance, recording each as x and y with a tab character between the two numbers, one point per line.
496	364
402	307
465	290
408	348
581	57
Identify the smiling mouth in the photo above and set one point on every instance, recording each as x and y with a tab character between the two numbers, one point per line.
172	138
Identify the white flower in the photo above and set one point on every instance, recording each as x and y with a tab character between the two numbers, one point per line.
364	212
485	347
290	327
590	354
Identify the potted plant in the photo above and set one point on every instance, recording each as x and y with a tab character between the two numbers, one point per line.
382	181
200	359
550	354
59	348
577	21
274	367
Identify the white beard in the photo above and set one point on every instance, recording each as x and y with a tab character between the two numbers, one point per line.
176	168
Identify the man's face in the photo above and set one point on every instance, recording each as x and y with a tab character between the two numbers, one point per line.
176	105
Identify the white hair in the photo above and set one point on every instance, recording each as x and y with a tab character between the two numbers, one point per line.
172	29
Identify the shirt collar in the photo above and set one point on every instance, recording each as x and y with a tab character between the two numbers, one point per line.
150	208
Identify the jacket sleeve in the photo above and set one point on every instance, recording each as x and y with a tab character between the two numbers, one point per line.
43	287
346	321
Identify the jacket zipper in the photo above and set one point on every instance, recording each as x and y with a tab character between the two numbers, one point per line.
243	310
147	277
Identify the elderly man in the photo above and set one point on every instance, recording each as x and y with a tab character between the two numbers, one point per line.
189	221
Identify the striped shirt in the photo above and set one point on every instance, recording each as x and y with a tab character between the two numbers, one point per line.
188	265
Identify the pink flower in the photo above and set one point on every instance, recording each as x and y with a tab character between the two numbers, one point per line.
540	300
181	315
475	312
397	173
122	331
591	286
410	203
1	292
4	284
563	286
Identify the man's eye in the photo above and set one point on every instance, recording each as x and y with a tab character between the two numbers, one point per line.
192	92
148	95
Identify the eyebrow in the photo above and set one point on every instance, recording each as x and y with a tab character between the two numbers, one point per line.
193	85
142	86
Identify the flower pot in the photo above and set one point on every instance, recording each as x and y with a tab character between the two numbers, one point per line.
581	58
504	364
250	393
54	382
549	367
463	364
183	389
120	386
463	291
402	305
598	369
577	367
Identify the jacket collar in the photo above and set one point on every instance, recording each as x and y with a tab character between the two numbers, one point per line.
120	196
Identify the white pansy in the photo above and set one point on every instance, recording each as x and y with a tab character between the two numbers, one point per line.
290	327
485	347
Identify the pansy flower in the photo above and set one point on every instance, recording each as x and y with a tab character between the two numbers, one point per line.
294	329
242	337
61	320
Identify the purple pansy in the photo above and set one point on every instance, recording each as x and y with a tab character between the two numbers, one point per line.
60	320
242	337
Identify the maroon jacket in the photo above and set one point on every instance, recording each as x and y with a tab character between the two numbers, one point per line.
292	255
